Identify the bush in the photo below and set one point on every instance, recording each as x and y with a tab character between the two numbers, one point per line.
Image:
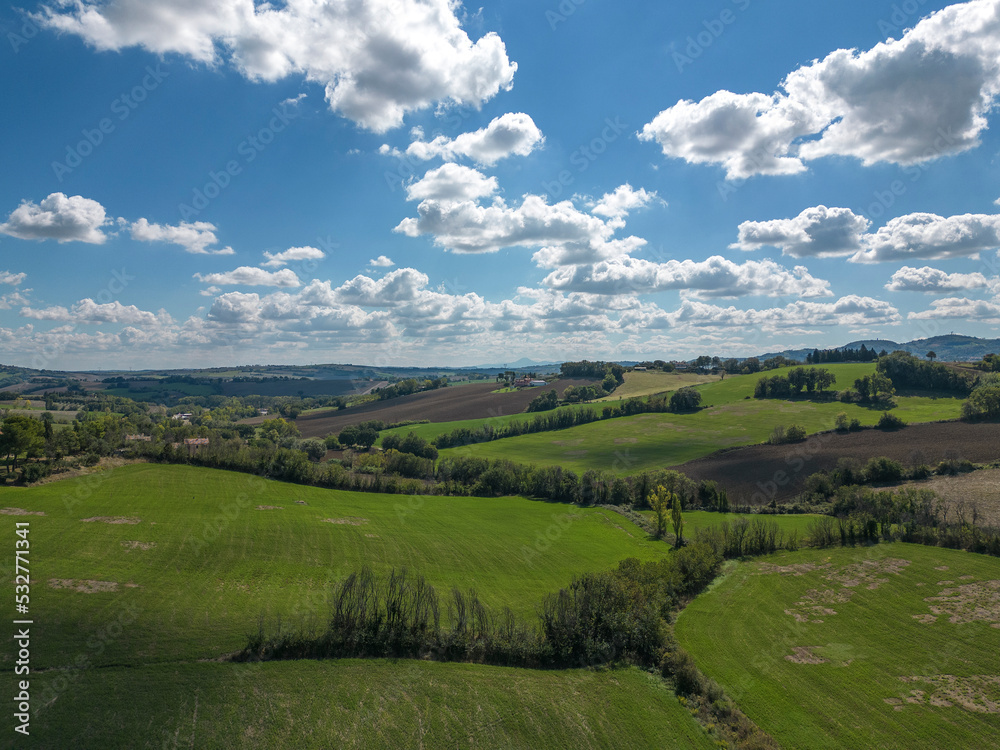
685	399
795	434
91	459
921	472
841	422
890	422
855	425
33	472
883	470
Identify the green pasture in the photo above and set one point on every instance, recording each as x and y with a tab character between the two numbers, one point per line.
628	445
703	519
875	665
364	705
219	562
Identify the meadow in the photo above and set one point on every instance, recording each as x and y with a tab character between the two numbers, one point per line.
703	519
210	551
892	646
365	704
730	417
146	576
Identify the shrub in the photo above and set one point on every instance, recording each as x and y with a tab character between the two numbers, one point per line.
883	469
795	434
855	425
890	422
33	472
921	472
841	422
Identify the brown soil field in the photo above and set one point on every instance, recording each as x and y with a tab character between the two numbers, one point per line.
475	401
757	474
980	488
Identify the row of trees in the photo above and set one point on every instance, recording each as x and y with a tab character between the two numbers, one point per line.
907	371
825	356
813	379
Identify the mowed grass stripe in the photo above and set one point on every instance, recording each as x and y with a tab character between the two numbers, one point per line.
366	704
740	634
201	588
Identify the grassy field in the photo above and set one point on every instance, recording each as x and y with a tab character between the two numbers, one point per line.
145	610
366	704
841	648
652	382
203	562
631	444
702	519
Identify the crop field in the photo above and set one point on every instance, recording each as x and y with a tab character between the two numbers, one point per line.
978	488
365	704
743	471
892	646
731	418
454	403
650	383
200	554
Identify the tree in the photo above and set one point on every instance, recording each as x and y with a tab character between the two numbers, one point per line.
931	356
21	435
685	399
677	521
660	501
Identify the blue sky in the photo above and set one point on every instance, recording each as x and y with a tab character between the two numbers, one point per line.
402	182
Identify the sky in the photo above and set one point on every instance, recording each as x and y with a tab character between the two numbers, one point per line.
421	182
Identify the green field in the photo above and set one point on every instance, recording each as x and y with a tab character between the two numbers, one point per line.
703	519
219	562
875	666
629	445
365	705
653	382
149	623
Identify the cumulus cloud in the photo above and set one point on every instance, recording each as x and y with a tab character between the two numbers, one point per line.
960	307
279	260
451	183
195	237
713	277
904	101
851	310
58	217
510	134
378	59
923	236
13	279
564	234
251	276
933	280
381	261
817	232
621	201
86	311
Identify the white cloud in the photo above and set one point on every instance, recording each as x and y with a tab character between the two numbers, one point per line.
194	237
923	236
714	277
13	279
851	310
514	133
86	311
817	232
277	260
58	217
564	234
904	101
250	276
377	59
14	299
933	280
621	201
381	261
960	307
451	183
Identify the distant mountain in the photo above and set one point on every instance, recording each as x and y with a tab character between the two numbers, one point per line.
521	364
949	348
